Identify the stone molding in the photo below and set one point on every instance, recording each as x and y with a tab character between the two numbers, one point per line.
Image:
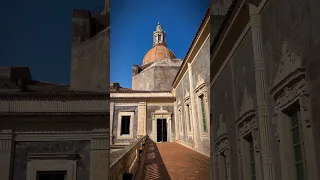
54	106
53	163
59	136
161	114
223	151
290	86
187	101
201	90
129	136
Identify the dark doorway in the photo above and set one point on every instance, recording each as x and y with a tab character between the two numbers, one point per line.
161	130
51	175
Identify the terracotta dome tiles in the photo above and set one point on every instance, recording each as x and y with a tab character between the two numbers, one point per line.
159	52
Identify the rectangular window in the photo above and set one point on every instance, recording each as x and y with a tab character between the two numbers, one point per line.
298	146
252	160
203	112
189	118
125	125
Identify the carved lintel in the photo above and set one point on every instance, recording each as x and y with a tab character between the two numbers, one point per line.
247	125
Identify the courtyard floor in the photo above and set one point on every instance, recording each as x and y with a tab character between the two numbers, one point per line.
165	161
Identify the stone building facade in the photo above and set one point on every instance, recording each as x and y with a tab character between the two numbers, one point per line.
264	91
55	131
154	104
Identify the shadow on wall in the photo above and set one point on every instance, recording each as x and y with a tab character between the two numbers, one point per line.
154	168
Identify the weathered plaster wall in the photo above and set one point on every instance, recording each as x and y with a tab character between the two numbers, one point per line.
117	110
223	106
200	66
90	66
81	148
157	77
181	90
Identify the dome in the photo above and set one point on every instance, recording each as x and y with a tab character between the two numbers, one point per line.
158	52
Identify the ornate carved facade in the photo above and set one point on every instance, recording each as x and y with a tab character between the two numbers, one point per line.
270	107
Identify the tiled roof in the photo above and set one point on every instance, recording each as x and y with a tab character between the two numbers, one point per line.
38	87
128	90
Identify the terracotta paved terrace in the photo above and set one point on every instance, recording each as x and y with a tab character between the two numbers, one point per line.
165	161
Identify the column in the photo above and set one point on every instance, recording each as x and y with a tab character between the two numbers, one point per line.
196	136
142	119
100	156
6	151
264	130
176	121
111	119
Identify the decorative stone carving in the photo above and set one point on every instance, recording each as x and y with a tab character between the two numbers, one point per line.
304	103
161	111
239	148
247	103
290	62
221	126
222	144
255	140
226	154
201	88
275	123
200	81
290	84
246	126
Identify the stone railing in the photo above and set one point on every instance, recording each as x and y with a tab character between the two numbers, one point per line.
125	166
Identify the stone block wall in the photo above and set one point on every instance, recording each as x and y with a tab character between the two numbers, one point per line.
81	148
157	77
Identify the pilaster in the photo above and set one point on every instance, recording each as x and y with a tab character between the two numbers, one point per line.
255	22
142	118
196	132
6	151
100	157
111	119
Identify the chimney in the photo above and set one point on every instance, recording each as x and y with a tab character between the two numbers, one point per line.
115	86
22	84
135	70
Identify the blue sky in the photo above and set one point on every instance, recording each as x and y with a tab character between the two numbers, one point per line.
132	25
37	33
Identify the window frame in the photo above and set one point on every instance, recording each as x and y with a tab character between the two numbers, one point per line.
201	91
188	114
125	136
52	162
